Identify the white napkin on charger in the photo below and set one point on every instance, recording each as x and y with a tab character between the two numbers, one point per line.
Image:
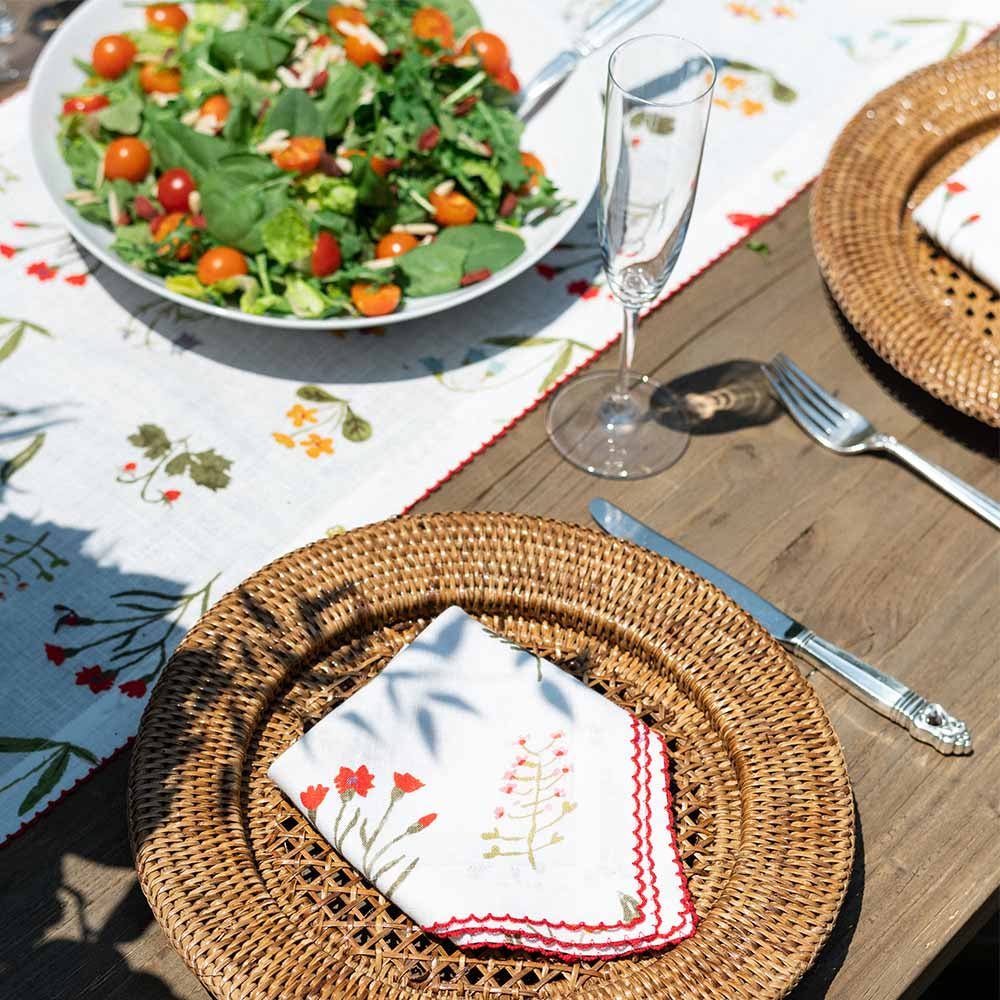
962	215
497	800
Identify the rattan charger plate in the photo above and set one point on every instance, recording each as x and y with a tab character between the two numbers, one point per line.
259	906
932	320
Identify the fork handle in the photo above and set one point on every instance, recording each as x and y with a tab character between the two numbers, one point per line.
979	503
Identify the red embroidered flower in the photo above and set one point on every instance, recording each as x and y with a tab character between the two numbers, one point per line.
171	495
507	789
955	187
134	689
22	585
129	467
498	812
745	220
547	271
558	735
25	225
7	250
76	279
521	761
312	797
425	821
56	654
560	752
95	678
636	141
41	271
521	742
406	782
360	781
975	217
583	288
558	793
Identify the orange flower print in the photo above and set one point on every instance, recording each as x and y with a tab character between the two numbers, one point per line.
300	416
731	82
312	799
750	108
315	445
283	439
955	187
781	10
406	783
744	10
721	102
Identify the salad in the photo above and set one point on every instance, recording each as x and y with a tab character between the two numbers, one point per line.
308	159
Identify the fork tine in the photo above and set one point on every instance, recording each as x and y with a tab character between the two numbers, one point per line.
805	415
797	374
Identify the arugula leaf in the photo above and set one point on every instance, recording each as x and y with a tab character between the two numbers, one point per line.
484	170
124	116
255	49
463	14
341	96
484	246
296	114
433	269
176	145
287	238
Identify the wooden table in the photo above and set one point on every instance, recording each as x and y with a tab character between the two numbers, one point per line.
859	548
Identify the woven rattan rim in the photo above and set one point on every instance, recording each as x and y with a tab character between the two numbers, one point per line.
933	321
259	906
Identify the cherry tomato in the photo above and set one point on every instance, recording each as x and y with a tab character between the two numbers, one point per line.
372	300
452	209
174	190
349	14
360	52
536	168
217	106
112	56
85	105
325	255
157	79
221	263
127	159
506	78
429	23
490	49
166	17
380	164
302	154
163	228
396	244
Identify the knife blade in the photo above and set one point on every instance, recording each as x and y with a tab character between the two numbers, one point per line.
616	18
926	721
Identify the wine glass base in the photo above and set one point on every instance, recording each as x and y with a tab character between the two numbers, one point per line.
615	437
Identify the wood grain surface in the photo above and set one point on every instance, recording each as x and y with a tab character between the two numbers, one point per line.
859	548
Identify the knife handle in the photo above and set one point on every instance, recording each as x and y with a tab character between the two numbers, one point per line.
618	17
925	720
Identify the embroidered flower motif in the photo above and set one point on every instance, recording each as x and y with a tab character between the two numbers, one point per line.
312	797
498	812
547	271
750	108
284	439
745	220
134	689
955	187
41	271
75	279
315	445
406	783
583	288
56	654
348	782
560	752
780	10
731	82
743	10
425	821
95	678
300	416
975	217
129	467
171	495
557	735
507	789
7	250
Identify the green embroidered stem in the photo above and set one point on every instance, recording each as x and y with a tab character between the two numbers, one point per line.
28	774
393	799
395	885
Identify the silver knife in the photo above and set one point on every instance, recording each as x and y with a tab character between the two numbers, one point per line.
926	721
616	18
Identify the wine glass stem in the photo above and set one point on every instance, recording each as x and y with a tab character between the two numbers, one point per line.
625	353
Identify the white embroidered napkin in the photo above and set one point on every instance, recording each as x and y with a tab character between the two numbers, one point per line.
497	800
962	215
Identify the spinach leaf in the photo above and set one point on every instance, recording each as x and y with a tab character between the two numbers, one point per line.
286	236
176	145
373	190
255	49
295	113
484	247
124	116
432	269
340	98
316	9
247	168
235	215
82	157
462	13
240	122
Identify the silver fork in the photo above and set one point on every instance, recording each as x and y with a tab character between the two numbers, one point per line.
836	426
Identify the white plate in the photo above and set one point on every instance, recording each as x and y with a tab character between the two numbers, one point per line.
566	134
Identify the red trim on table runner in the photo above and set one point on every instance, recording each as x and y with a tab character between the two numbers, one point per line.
442	926
99	766
678	932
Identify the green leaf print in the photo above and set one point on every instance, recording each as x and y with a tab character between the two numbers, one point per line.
17	329
558	367
46	781
782	92
152	440
177	466
22	458
356	428
173	458
314	394
15	744
209	469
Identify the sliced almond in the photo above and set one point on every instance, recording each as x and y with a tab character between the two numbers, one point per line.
380	264
194	203
276	142
416	228
191	117
444	188
344	164
465	62
82	197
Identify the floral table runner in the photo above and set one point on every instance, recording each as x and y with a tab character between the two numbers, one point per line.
151	457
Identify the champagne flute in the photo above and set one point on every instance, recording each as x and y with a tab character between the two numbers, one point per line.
659	93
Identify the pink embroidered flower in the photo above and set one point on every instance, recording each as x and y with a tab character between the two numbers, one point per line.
7	250
547	271
498	812
955	187
360	781
312	797
134	689
41	271
95	678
